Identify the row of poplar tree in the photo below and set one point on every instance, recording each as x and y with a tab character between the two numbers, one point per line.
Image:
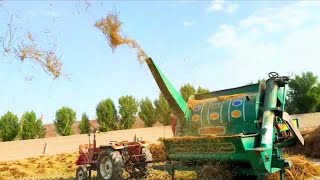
108	117
303	97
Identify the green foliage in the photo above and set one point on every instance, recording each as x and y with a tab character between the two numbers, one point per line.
65	117
202	90
147	112
187	90
162	110
9	126
31	127
128	107
84	124
106	115
304	94
41	131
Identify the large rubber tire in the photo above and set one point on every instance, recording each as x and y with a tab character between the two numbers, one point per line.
82	173
147	158
110	165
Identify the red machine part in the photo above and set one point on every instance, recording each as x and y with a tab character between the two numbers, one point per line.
173	123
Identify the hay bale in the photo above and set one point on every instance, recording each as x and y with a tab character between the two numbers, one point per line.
158	151
111	28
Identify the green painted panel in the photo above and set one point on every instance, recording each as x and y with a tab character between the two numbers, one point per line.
234	116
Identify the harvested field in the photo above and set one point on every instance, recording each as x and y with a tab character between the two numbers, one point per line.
50	167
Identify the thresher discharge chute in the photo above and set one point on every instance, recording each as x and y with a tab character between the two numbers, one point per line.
246	127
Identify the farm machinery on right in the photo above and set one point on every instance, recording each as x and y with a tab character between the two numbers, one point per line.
245	127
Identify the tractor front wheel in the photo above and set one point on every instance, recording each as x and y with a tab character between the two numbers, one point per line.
110	166
82	173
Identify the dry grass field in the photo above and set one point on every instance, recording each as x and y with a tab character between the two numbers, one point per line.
62	166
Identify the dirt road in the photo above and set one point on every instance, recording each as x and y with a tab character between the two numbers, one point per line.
28	148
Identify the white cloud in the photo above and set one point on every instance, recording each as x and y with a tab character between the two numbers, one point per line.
282	39
188	23
221	5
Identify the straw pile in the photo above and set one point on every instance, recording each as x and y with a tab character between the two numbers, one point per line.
51	167
311	143
301	169
158	151
215	171
111	28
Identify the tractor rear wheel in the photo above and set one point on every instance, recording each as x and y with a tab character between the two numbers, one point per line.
110	165
82	173
141	171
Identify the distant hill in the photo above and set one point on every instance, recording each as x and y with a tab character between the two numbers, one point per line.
51	129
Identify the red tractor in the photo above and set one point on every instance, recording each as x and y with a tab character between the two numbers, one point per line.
112	160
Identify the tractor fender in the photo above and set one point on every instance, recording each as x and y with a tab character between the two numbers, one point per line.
116	146
144	144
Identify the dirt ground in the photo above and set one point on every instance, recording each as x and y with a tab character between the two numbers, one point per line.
55	145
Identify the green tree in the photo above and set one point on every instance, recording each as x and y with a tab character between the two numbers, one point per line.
304	94
187	90
9	126
106	115
128	107
162	110
65	117
84	124
147	112
31	127
41	131
201	90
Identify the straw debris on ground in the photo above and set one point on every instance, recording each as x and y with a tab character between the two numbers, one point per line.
62	166
311	143
111	28
301	169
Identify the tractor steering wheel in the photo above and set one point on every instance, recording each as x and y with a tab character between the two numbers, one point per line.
273	75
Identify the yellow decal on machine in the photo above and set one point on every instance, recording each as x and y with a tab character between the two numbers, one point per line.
236	114
212	130
214	116
195	118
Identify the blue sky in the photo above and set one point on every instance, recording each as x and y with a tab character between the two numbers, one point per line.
215	44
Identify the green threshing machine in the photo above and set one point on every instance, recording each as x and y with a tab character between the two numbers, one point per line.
245	127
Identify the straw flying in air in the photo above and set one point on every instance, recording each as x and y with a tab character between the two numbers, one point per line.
111	28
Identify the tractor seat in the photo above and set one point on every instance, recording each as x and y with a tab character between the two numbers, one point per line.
83	148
